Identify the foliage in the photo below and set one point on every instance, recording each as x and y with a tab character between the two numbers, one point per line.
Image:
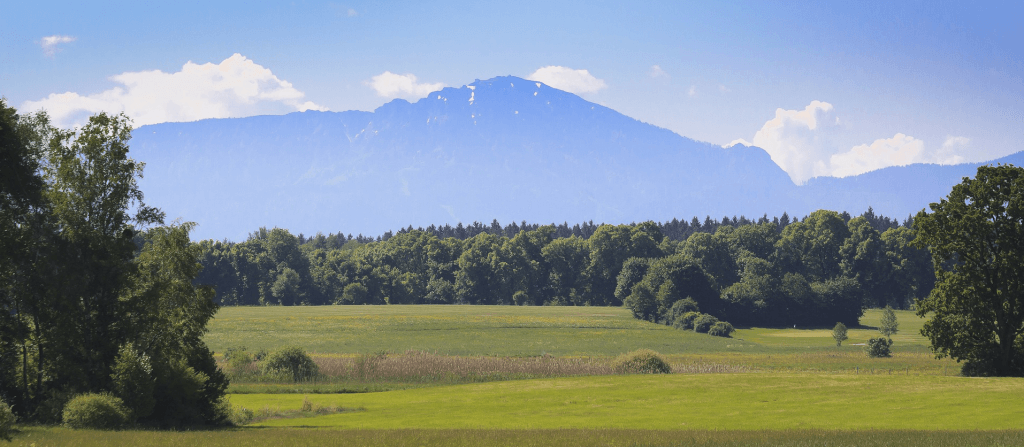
685	321
292	361
7	421
878	347
133	381
721	329
641	361
94	296
839	333
889	326
976	237
680	308
704	322
97	411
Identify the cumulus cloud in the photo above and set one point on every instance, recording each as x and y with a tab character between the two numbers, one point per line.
900	150
657	72
50	43
948	155
236	87
800	141
565	78
390	85
804	144
692	91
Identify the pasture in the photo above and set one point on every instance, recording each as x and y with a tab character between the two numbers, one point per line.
541	376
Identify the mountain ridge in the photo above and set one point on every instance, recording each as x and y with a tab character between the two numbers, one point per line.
505	148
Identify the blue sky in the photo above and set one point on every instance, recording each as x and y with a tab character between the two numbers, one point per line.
828	88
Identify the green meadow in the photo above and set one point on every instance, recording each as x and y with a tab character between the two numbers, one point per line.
540	376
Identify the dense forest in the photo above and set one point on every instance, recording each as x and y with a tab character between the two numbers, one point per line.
818	270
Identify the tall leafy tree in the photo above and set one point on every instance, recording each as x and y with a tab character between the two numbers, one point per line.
976	237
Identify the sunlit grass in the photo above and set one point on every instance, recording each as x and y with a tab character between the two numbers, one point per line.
674	402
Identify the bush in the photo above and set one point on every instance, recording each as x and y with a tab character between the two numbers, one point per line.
704	322
133	381
685	321
641	361
92	410
680	308
878	347
294	362
7	420
721	329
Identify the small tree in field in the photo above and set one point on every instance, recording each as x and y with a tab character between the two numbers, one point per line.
839	333
889	325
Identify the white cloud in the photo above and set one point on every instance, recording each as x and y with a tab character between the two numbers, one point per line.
390	85
800	141
657	72
50	43
565	78
723	88
236	87
692	91
900	150
804	144
948	154
352	13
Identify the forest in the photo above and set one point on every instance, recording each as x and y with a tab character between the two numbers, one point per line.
818	270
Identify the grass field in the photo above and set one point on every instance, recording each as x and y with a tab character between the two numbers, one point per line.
512	331
678	401
540	376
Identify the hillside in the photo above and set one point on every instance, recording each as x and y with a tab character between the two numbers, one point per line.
505	148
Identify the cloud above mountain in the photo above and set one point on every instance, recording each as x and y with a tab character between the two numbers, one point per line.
805	144
568	79
391	85
236	87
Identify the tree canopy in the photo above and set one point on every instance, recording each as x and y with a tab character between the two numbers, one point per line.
976	237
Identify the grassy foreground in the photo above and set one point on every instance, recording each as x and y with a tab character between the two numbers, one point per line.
679	402
515	438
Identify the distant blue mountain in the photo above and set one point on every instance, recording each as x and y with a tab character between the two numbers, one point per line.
506	148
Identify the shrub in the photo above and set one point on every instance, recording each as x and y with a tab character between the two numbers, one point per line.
878	347
133	381
292	361
680	308
839	334
92	410
641	361
721	329
239	359
7	420
685	321
704	322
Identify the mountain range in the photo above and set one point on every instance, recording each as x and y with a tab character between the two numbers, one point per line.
505	148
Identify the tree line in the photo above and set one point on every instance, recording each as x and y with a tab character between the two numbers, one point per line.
817	270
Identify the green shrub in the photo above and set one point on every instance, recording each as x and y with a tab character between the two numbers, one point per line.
133	381
685	321
721	329
292	361
878	347
703	323
7	420
641	361
680	308
92	410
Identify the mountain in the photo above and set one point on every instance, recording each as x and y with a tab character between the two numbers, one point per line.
505	148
